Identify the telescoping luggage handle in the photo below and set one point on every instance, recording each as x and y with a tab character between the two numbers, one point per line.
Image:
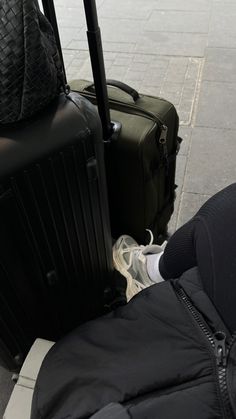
98	68
110	129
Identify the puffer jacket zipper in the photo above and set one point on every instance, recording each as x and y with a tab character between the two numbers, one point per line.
220	350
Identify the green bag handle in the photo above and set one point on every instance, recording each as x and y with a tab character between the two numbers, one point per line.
120	85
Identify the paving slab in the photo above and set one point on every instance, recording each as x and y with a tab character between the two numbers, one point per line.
178	21
217	104
173	43
189	205
112	9
180	174
220	65
117	30
74	3
222	31
70	17
185	132
67	35
225	40
211	164
223	7
195	5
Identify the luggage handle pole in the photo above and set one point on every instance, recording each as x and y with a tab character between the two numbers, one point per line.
98	68
49	11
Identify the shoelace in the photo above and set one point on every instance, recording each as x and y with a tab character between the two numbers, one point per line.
139	286
138	249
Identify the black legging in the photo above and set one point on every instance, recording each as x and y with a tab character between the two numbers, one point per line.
208	241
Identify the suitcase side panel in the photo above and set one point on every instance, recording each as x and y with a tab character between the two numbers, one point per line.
55	248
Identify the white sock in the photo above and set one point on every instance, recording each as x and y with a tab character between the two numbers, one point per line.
152	261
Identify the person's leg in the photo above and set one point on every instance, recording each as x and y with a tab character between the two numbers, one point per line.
208	241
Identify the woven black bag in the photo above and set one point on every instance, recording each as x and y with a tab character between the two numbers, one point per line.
30	68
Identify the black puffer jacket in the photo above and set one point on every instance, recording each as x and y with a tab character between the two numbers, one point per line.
165	355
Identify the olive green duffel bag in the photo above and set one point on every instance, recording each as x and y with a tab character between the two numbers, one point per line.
140	161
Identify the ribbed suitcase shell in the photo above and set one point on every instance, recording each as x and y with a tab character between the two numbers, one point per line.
55	243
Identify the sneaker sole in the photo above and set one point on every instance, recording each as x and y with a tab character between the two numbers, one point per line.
126	274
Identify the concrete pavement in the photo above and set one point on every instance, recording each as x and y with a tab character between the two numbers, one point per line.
185	51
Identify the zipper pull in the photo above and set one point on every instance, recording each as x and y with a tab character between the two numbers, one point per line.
162	141
220	349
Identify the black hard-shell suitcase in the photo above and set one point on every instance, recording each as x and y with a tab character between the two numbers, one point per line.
55	242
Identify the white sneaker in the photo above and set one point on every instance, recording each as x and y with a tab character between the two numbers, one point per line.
130	260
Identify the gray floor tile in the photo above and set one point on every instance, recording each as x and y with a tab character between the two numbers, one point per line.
180	173
220	65
219	40
222	14
126	9
98	2
118	30
211	165
180	170
190	204
185	133
196	5
123	47
178	21
164	43
217	104
223	2
70	17
67	35
222	27
172	225
74	3
119	72
107	46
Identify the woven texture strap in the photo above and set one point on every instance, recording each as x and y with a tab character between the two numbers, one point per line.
30	68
